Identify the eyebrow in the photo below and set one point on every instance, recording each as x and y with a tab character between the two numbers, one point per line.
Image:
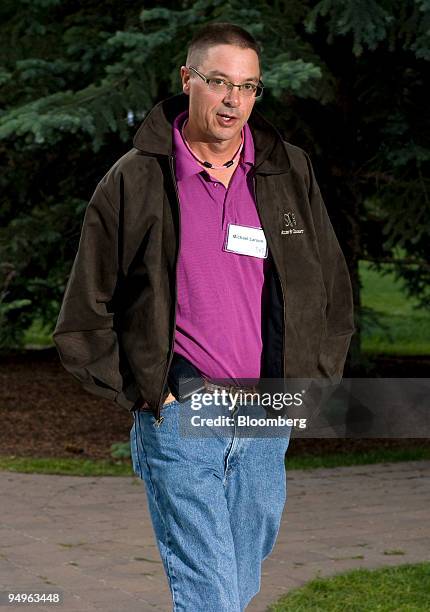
218	73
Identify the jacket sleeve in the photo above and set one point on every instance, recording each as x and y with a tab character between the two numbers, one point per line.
84	335
336	336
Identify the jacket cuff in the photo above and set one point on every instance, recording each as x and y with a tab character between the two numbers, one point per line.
332	357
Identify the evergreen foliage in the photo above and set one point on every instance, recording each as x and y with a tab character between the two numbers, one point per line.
344	80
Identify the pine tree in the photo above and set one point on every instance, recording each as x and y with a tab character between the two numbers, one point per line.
344	80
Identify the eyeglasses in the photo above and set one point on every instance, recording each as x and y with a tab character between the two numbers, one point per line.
220	86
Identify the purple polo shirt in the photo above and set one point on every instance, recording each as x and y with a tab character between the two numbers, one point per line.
218	319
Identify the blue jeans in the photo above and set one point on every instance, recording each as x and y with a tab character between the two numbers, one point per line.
215	502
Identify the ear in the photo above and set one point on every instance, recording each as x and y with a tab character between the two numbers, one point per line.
185	78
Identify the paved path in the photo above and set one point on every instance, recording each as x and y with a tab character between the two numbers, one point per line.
92	538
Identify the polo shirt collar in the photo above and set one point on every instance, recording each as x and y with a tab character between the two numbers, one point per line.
154	136
185	163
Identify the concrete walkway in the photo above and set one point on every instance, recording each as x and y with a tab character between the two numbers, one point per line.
91	537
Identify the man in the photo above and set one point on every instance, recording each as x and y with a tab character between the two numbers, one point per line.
207	242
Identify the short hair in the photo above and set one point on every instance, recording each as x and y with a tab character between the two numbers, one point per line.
220	33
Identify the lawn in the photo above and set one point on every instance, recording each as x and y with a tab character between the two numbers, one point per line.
397	328
56	411
403	588
400	328
122	467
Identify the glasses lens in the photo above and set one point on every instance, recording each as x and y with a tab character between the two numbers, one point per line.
248	90
217	85
222	87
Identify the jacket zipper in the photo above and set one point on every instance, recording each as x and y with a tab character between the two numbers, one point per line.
159	418
282	287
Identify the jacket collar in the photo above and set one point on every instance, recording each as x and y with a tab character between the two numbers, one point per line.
154	136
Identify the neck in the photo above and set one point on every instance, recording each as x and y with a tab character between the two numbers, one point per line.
216	152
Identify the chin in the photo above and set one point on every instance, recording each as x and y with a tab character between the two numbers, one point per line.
226	134
218	135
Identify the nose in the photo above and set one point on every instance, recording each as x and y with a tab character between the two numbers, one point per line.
232	97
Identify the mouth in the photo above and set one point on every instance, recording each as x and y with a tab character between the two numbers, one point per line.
225	119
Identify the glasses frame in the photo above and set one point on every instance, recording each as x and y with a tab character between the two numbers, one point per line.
229	84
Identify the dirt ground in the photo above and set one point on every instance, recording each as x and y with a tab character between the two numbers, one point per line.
45	413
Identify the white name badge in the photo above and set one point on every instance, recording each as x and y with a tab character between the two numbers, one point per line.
245	240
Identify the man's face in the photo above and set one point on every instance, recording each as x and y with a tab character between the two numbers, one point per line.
206	107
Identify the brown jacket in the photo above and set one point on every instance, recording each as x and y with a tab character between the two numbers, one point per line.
116	325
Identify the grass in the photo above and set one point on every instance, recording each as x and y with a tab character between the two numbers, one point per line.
309	462
400	328
65	466
38	335
87	467
404	588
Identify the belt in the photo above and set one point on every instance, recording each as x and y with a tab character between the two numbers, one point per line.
210	386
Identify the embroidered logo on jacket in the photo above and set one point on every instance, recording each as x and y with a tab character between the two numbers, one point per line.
290	223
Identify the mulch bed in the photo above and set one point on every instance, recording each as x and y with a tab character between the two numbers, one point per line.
45	413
